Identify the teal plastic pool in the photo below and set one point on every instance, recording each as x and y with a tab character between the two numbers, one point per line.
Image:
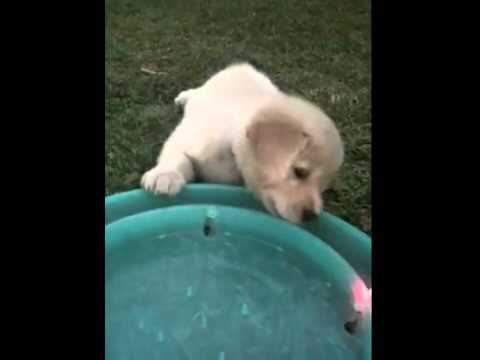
209	275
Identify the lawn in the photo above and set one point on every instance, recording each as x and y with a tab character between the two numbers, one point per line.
319	49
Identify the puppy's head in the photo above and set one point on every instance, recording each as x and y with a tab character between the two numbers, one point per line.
290	153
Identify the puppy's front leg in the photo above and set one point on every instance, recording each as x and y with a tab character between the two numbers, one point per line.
174	169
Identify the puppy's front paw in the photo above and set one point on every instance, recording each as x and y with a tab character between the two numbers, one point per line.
163	182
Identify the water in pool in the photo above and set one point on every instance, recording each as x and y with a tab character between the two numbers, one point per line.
222	297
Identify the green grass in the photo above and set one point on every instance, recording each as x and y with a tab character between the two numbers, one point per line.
316	48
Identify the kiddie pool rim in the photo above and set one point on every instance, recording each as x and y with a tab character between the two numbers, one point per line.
351	243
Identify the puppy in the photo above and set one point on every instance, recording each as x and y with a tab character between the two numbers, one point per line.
239	128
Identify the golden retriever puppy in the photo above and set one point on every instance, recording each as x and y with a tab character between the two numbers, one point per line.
239	128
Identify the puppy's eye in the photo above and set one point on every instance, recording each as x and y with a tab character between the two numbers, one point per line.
301	173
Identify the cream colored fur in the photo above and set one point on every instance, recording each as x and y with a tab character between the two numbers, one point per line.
238	128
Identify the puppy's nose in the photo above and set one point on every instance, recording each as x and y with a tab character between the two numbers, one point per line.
308	215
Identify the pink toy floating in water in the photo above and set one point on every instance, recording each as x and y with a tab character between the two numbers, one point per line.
362	296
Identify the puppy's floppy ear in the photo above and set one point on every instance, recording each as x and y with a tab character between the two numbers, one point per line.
276	142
